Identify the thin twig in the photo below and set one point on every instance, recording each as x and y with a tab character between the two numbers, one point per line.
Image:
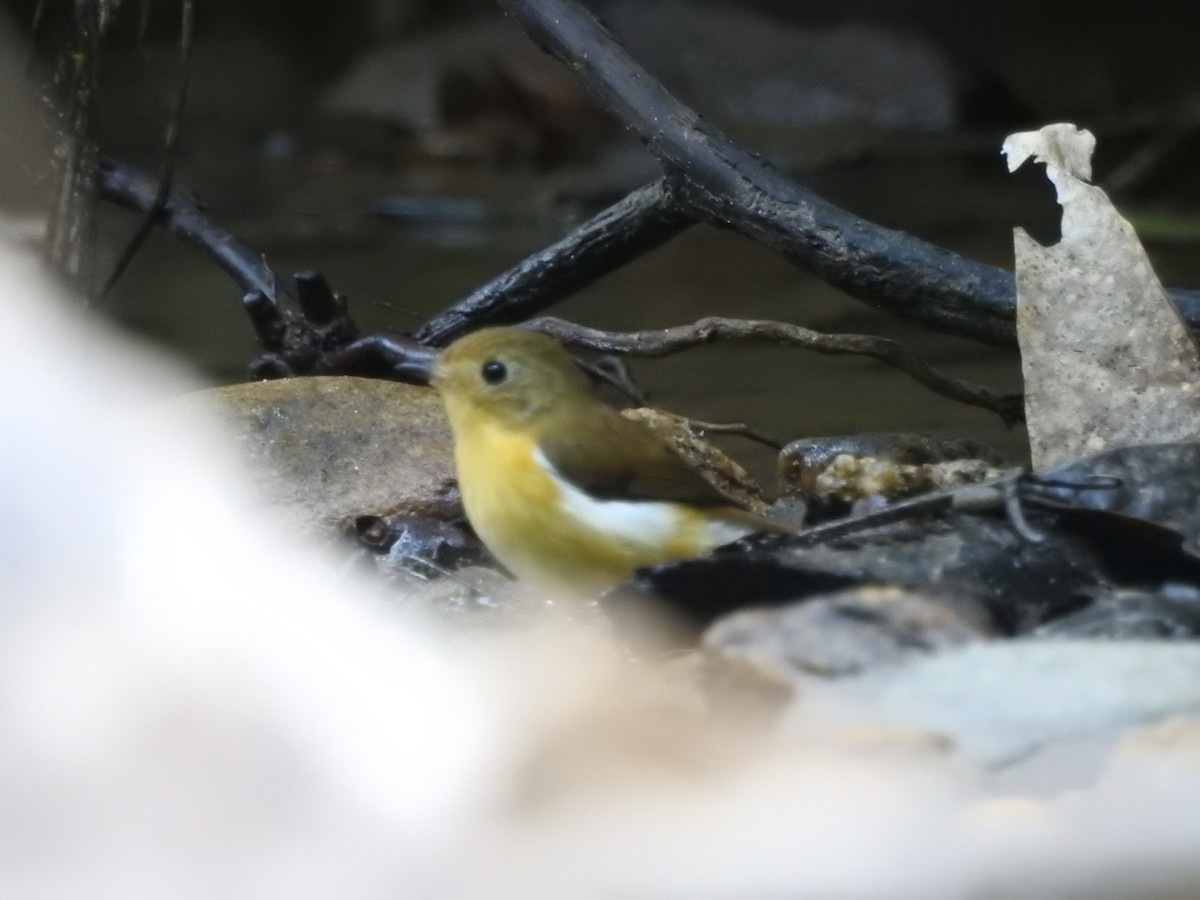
662	342
736	429
615	380
171	151
179	216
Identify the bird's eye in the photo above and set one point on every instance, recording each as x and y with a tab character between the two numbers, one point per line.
494	371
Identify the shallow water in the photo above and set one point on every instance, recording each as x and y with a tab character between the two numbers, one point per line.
395	276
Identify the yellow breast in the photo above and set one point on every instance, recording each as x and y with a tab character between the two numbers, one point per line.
545	530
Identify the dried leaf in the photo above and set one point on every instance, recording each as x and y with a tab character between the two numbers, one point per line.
1108	361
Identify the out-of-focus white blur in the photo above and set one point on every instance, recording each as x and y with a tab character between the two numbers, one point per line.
191	708
188	708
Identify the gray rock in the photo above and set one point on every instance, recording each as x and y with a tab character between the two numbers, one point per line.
967	558
1170	611
841	634
325	449
1005	701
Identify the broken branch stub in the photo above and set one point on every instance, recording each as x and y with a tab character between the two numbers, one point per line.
1107	359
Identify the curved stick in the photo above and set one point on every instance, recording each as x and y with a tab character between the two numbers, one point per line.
663	341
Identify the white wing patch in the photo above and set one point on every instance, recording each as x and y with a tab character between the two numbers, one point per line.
635	521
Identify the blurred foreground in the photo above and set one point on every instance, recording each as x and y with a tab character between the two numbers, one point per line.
190	710
190	707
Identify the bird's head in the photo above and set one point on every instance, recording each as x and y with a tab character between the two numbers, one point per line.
510	376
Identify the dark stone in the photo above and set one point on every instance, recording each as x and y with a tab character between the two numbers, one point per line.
1148	494
975	561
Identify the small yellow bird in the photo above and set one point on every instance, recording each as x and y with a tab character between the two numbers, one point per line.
564	490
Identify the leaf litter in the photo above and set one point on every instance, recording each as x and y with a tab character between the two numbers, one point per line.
1107	359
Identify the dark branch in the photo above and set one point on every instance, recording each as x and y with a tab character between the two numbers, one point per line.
381	355
719	182
645	219
180	216
661	342
302	331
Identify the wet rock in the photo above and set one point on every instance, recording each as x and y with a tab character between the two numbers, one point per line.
850	479
434	568
1002	702
900	447
327	449
441	569
841	470
977	560
422	546
841	634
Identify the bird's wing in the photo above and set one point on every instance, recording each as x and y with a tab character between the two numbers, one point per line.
612	458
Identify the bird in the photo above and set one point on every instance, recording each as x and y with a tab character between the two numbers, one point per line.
562	489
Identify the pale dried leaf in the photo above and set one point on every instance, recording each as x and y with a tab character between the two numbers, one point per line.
1108	361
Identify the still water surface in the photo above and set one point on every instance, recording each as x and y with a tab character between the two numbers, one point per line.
396	276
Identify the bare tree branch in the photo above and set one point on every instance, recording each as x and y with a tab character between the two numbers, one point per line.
179	215
737	429
642	221
661	342
301	331
717	181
